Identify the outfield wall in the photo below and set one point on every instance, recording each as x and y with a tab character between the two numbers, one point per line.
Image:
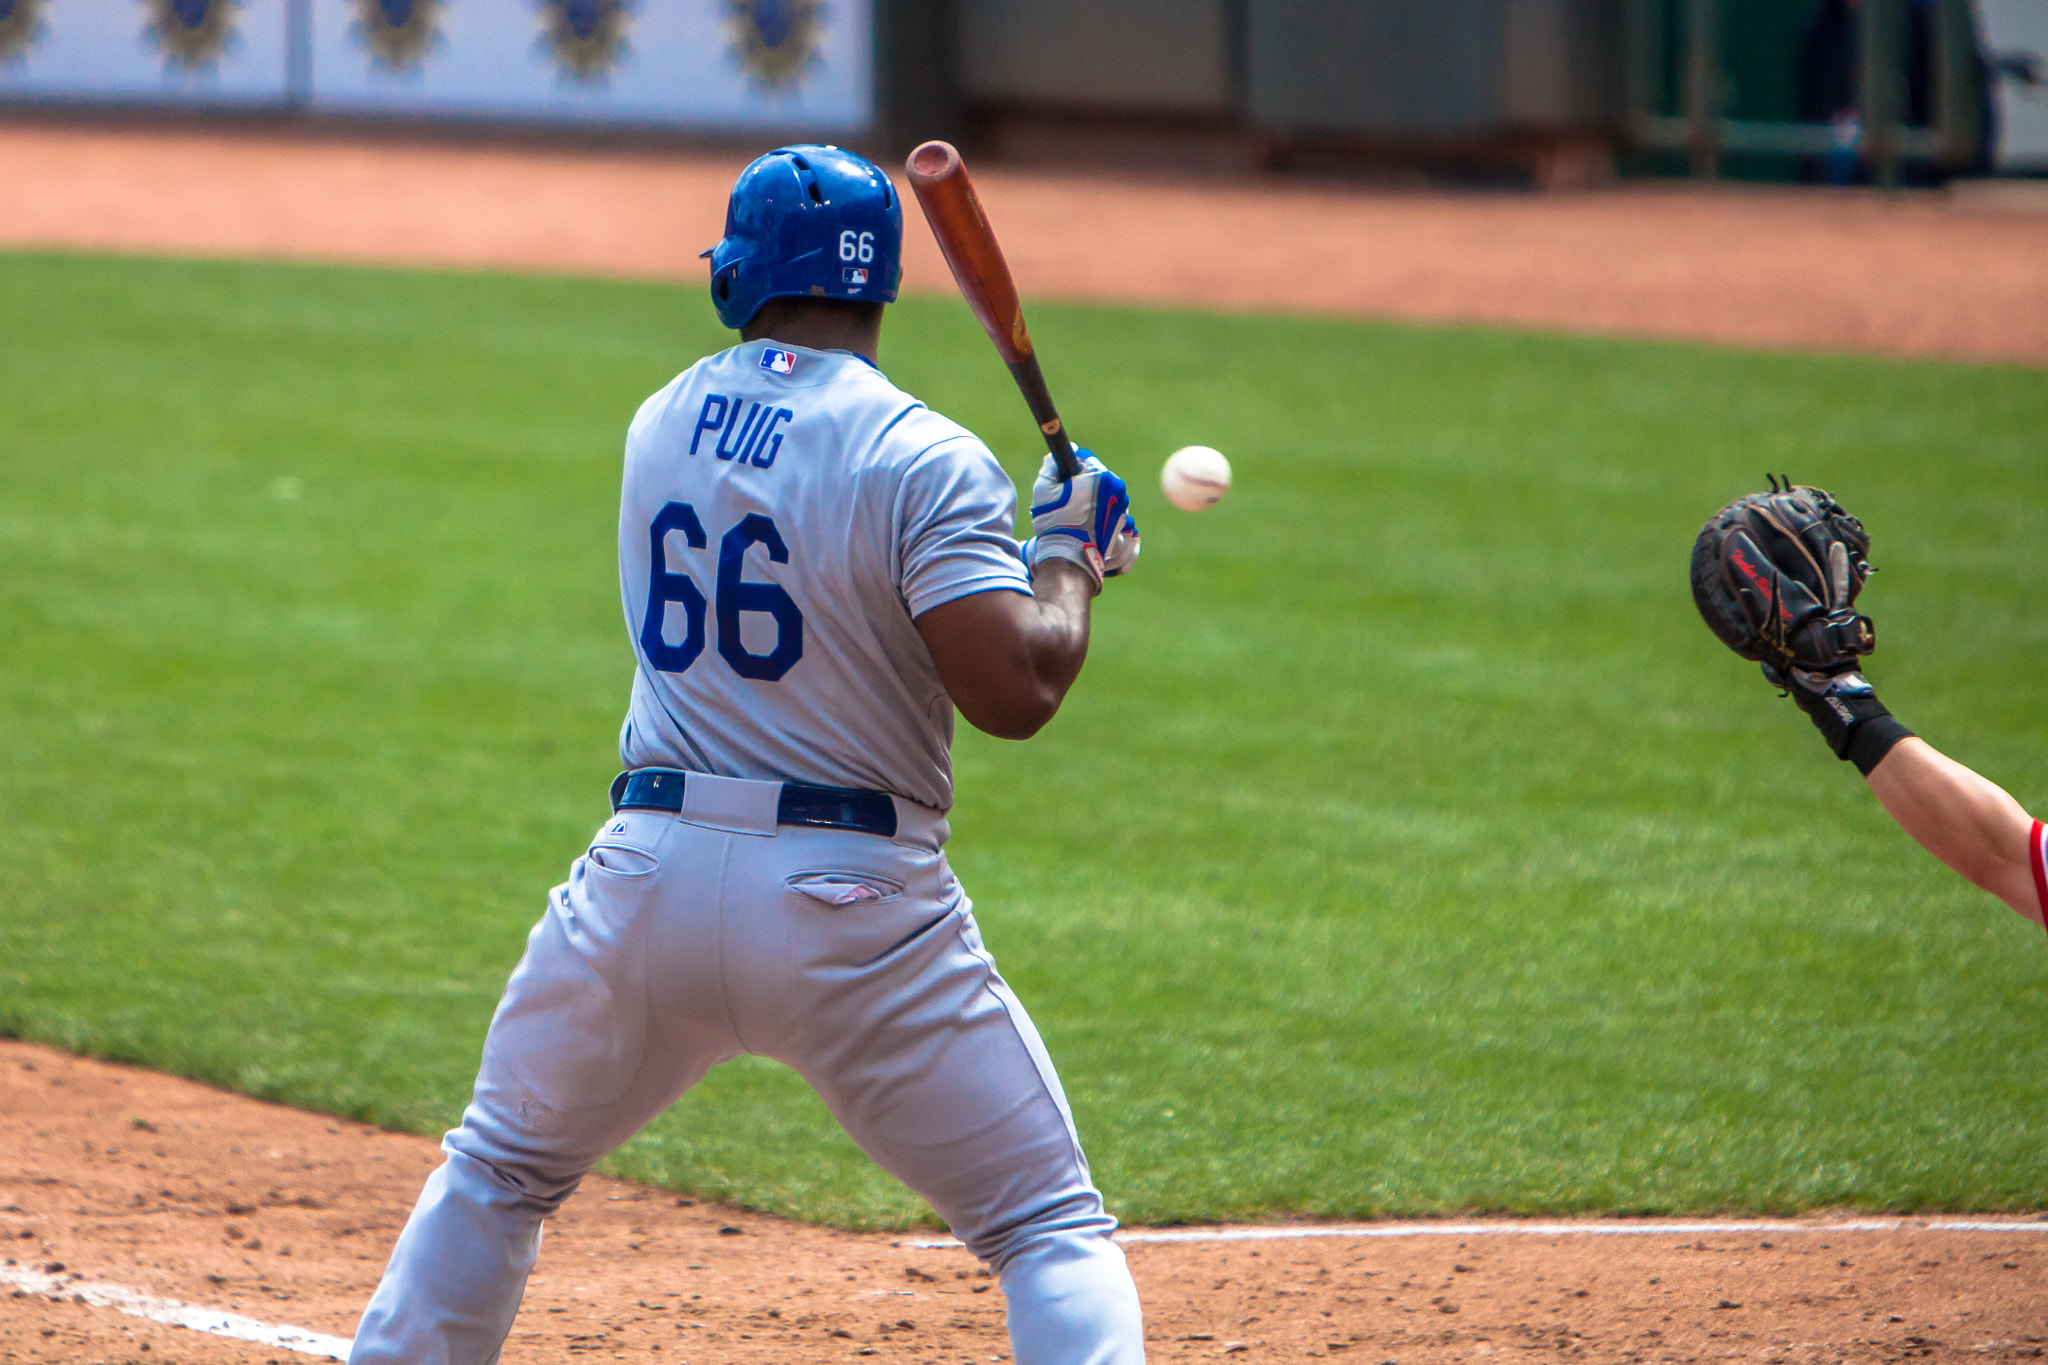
701	64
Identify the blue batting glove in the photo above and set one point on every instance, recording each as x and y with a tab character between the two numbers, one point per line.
1082	519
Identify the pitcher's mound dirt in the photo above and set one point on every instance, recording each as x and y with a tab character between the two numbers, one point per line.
1920	273
113	1175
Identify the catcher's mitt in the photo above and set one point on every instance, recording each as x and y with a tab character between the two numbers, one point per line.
1776	576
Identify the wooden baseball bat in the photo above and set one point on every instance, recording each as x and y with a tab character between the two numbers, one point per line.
947	196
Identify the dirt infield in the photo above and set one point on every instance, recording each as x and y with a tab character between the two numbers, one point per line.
111	1176
1913	274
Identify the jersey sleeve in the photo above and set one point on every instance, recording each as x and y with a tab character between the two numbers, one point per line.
956	511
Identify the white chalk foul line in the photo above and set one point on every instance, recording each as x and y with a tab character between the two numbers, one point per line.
311	1343
1554	1228
175	1314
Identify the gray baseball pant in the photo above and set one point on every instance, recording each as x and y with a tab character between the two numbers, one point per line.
680	942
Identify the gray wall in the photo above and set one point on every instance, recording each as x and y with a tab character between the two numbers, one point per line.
1396	67
1383	66
1376	67
1156	55
1563	62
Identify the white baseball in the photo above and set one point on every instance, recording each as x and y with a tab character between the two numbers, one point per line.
1195	477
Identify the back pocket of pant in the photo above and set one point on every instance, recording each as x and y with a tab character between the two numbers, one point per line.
623	860
833	887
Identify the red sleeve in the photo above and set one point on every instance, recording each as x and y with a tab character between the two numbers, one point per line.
2037	845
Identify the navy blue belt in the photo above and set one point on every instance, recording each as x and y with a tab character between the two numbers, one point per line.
801	803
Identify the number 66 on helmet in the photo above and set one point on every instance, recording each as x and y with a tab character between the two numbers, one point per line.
807	221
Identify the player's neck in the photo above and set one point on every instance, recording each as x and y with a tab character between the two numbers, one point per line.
795	322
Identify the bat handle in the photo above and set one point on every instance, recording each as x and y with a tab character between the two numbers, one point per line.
1031	383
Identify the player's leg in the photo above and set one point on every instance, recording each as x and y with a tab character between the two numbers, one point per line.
920	1049
594	1036
955	1095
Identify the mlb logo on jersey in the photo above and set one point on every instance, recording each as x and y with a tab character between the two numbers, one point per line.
854	274
781	362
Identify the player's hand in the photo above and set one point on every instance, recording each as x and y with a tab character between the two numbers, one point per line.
1082	519
1123	549
1122	554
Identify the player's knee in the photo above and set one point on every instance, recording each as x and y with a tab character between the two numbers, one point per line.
488	1174
1074	1227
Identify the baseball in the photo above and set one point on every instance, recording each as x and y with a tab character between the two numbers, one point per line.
1195	477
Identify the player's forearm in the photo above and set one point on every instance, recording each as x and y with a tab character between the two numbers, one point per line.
1962	818
1050	647
1007	658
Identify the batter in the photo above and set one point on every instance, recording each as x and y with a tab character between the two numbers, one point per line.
817	570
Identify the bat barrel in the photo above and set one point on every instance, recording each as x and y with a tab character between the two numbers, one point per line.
946	194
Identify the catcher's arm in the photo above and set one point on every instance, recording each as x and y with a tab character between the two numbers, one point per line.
1775	576
1967	821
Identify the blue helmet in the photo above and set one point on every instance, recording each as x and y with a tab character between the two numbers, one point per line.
809	221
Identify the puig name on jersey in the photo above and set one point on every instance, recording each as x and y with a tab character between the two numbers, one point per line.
746	432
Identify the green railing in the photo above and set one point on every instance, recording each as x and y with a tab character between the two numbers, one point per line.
1685	40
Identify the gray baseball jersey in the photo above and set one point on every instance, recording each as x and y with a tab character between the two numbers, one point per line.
786	513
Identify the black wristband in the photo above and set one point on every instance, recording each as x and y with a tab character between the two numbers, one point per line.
1850	718
1872	739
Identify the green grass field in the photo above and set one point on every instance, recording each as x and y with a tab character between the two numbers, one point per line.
1408	846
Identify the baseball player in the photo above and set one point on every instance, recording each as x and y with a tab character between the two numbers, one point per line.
817	570
1776	576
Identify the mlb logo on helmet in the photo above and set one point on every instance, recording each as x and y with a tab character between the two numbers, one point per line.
854	274
781	362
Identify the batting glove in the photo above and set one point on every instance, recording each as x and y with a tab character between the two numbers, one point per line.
1123	549
1085	519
